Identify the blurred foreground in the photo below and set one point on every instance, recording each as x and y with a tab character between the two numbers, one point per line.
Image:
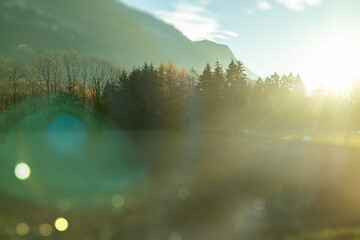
194	186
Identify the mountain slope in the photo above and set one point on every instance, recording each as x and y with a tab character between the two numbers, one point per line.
102	27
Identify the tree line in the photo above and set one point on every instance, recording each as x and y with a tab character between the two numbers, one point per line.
164	97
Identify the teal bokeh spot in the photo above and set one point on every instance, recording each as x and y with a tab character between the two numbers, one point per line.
67	135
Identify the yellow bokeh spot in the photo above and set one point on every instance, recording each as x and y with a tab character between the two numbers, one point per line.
22	171
61	224
22	229
45	230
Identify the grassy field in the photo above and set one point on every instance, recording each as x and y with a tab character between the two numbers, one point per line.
258	185
331	137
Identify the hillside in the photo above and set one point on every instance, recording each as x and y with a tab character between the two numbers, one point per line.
106	28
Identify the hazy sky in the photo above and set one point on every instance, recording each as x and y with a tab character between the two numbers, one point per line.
306	36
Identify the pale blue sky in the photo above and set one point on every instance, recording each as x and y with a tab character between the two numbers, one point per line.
306	36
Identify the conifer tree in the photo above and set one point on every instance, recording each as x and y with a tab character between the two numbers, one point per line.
205	90
299	87
258	92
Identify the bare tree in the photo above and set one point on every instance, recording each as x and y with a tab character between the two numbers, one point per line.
4	82
100	73
44	66
32	84
71	61
57	72
3	67
16	72
84	72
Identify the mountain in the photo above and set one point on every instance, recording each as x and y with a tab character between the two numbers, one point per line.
106	28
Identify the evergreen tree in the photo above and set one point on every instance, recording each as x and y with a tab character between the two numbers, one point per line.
285	85
219	81
272	84
205	90
218	98
236	83
236	92
299	87
258	92
206	81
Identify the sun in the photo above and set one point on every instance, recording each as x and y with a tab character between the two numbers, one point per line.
332	65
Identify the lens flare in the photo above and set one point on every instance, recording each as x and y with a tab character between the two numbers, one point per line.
61	224
22	171
45	229
22	229
67	135
118	201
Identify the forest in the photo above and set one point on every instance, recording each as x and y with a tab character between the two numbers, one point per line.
167	98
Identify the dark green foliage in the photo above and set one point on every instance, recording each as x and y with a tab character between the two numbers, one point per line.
236	93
